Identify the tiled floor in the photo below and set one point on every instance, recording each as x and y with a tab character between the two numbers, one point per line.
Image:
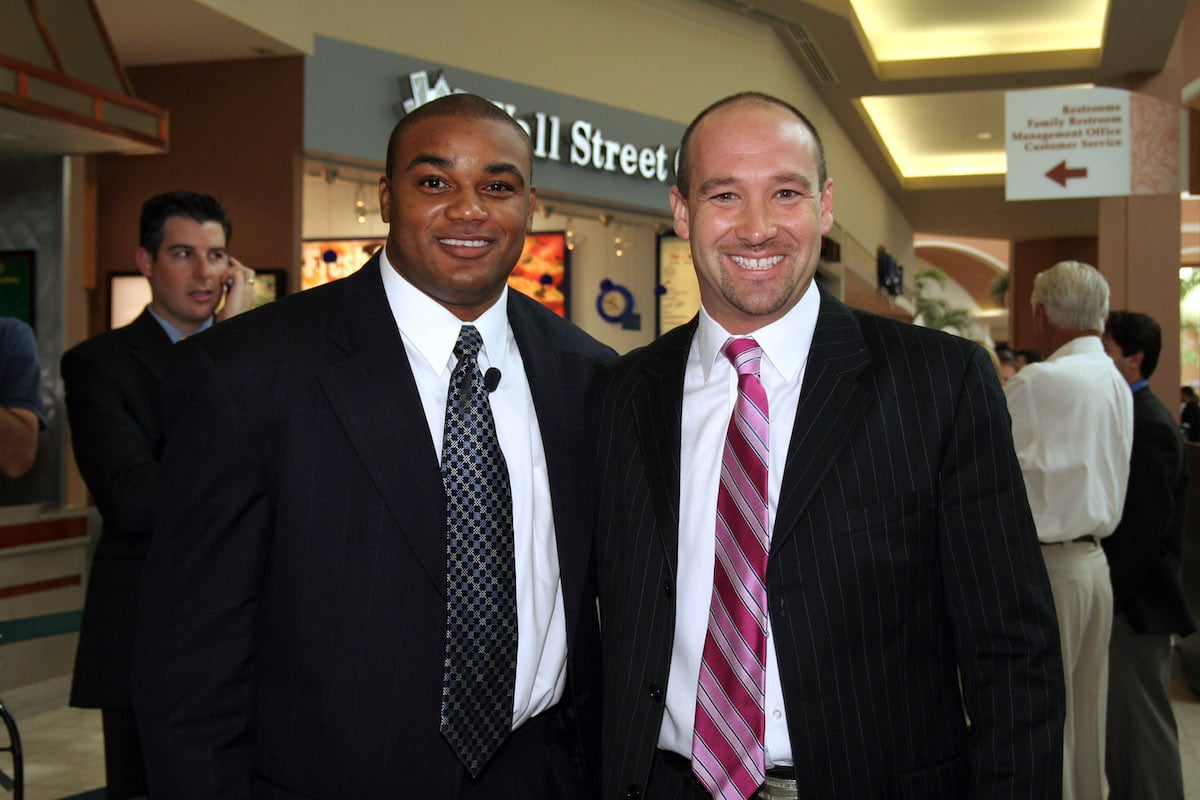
64	753
64	748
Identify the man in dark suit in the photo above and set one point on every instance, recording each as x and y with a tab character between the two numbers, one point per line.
298	632
114	410
891	554
1145	562
1189	414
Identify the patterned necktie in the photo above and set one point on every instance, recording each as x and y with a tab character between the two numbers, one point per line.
481	609
728	754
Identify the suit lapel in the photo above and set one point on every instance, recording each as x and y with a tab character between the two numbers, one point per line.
148	343
658	410
832	401
374	395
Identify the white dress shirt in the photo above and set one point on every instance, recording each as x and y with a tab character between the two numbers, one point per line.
1072	425
709	394
429	332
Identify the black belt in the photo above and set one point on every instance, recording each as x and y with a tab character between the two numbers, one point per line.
1076	540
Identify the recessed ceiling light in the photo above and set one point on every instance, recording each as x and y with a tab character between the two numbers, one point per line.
954	29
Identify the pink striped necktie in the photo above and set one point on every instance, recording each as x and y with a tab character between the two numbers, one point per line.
728	753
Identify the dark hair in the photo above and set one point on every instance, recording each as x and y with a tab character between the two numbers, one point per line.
1188	392
1031	355
682	176
1136	333
190	205
465	105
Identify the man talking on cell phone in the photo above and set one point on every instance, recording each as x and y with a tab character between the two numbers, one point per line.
115	414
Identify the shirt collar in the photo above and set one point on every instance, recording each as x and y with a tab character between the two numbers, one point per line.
1089	343
173	333
785	342
432	329
1137	386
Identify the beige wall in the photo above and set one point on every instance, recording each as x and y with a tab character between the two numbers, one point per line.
667	58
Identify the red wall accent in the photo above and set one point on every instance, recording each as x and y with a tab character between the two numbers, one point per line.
27	533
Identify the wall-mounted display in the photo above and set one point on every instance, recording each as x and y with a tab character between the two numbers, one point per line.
678	290
326	260
543	269
17	284
541	272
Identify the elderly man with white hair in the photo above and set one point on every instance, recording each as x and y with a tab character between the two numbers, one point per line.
1072	423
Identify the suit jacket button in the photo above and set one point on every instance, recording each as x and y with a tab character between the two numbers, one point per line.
656	693
667	586
633	793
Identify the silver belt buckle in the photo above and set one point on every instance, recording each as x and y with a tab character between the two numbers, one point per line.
778	789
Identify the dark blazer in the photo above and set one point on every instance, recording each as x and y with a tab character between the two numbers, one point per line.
903	555
1189	420
112	384
293	606
1145	552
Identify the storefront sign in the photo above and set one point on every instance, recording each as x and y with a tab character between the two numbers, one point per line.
588	145
353	96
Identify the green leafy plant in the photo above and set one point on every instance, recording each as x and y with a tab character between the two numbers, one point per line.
936	311
999	290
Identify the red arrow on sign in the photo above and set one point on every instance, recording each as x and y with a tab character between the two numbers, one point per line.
1061	173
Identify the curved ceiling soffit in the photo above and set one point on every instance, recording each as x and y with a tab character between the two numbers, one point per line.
974	253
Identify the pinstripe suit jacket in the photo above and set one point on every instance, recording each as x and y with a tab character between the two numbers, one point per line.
903	557
292	616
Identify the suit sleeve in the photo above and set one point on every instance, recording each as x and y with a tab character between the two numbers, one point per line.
194	674
1000	602
1149	505
116	457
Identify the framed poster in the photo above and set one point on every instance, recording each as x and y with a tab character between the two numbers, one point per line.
678	289
129	293
543	270
17	289
326	260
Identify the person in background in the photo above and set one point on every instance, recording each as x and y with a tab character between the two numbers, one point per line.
21	416
1072	424
112	384
1026	356
1145	558
1008	363
1189	414
792	582
375	579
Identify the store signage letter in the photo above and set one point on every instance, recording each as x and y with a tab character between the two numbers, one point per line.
589	148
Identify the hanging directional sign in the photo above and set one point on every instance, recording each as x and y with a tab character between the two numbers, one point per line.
1095	142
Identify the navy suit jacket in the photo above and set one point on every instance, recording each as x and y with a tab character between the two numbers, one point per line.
903	558
293	607
113	384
